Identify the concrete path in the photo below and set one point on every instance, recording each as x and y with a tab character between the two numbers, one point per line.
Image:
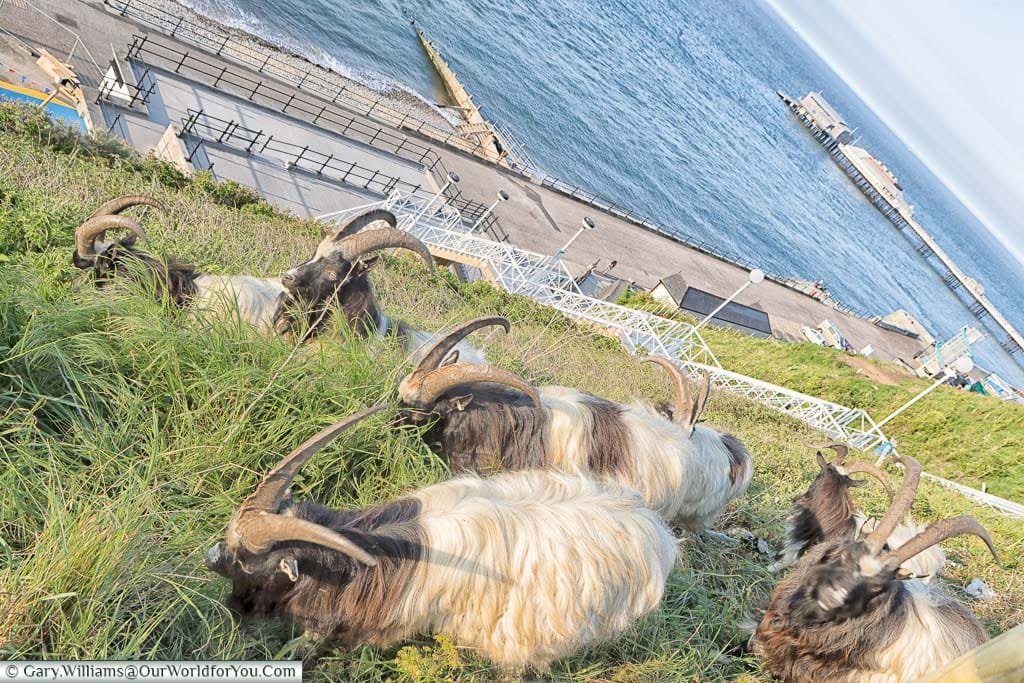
535	218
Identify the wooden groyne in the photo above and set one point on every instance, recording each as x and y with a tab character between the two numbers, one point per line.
954	278
476	125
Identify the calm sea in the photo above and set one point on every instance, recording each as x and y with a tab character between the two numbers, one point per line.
669	107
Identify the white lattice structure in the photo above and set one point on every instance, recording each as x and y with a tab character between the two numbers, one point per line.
516	270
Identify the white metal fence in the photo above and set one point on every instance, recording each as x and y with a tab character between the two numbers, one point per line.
516	270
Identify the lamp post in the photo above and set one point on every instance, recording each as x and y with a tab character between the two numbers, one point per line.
502	197
754	277
586	224
453	177
961	365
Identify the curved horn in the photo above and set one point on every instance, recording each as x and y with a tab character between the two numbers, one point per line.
257	525
842	450
855	466
87	233
703	394
119	204
365	219
438	351
822	463
261	531
356	246
900	504
940	531
680	385
437	382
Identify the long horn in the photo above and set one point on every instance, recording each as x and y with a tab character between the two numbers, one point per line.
365	219
257	525
92	228
356	246
869	468
438	351
703	394
119	204
900	504
680	385
842	450
436	382
937	533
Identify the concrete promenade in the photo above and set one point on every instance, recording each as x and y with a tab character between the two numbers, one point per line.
535	218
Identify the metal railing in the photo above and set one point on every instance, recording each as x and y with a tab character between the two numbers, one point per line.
138	93
278	63
213	129
534	275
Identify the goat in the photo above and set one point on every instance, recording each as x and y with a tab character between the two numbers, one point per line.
337	277
844	614
269	304
523	568
826	511
685	472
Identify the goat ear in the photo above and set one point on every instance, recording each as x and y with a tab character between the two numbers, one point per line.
364	266
290	568
451	359
821	461
855	483
462	402
129	240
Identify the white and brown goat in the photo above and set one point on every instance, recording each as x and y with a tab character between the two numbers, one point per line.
336	278
522	569
486	419
826	511
844	612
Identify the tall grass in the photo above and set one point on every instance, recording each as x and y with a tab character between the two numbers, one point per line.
130	431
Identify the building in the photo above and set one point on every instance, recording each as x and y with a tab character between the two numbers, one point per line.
933	360
673	291
825	117
880	177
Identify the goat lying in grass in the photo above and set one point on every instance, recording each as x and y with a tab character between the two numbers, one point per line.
336	278
685	472
844	613
826	511
523	568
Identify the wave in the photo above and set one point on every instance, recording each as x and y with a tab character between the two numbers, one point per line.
226	13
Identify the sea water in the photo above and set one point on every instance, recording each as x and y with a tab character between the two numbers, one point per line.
668	107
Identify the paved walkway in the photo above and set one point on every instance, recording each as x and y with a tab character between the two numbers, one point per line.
535	217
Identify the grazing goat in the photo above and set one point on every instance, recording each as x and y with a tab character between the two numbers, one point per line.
336	275
523	568
826	511
685	472
844	614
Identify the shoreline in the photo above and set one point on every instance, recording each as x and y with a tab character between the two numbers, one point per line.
394	95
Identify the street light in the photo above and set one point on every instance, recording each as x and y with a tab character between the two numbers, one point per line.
453	177
502	197
586	224
756	276
961	365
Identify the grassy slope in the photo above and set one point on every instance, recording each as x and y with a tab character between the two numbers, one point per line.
964	436
129	432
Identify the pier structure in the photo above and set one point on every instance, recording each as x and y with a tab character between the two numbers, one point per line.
891	205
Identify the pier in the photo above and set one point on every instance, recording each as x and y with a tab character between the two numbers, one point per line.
900	216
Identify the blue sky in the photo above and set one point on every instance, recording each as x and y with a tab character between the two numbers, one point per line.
947	76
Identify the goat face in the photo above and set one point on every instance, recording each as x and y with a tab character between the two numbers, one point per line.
337	272
110	258
259	582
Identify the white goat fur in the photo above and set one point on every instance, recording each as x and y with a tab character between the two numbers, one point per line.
924	566
526	567
682	477
252	299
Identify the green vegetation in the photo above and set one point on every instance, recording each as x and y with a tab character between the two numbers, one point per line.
959	435
130	431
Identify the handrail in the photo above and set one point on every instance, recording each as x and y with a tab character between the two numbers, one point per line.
214	129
